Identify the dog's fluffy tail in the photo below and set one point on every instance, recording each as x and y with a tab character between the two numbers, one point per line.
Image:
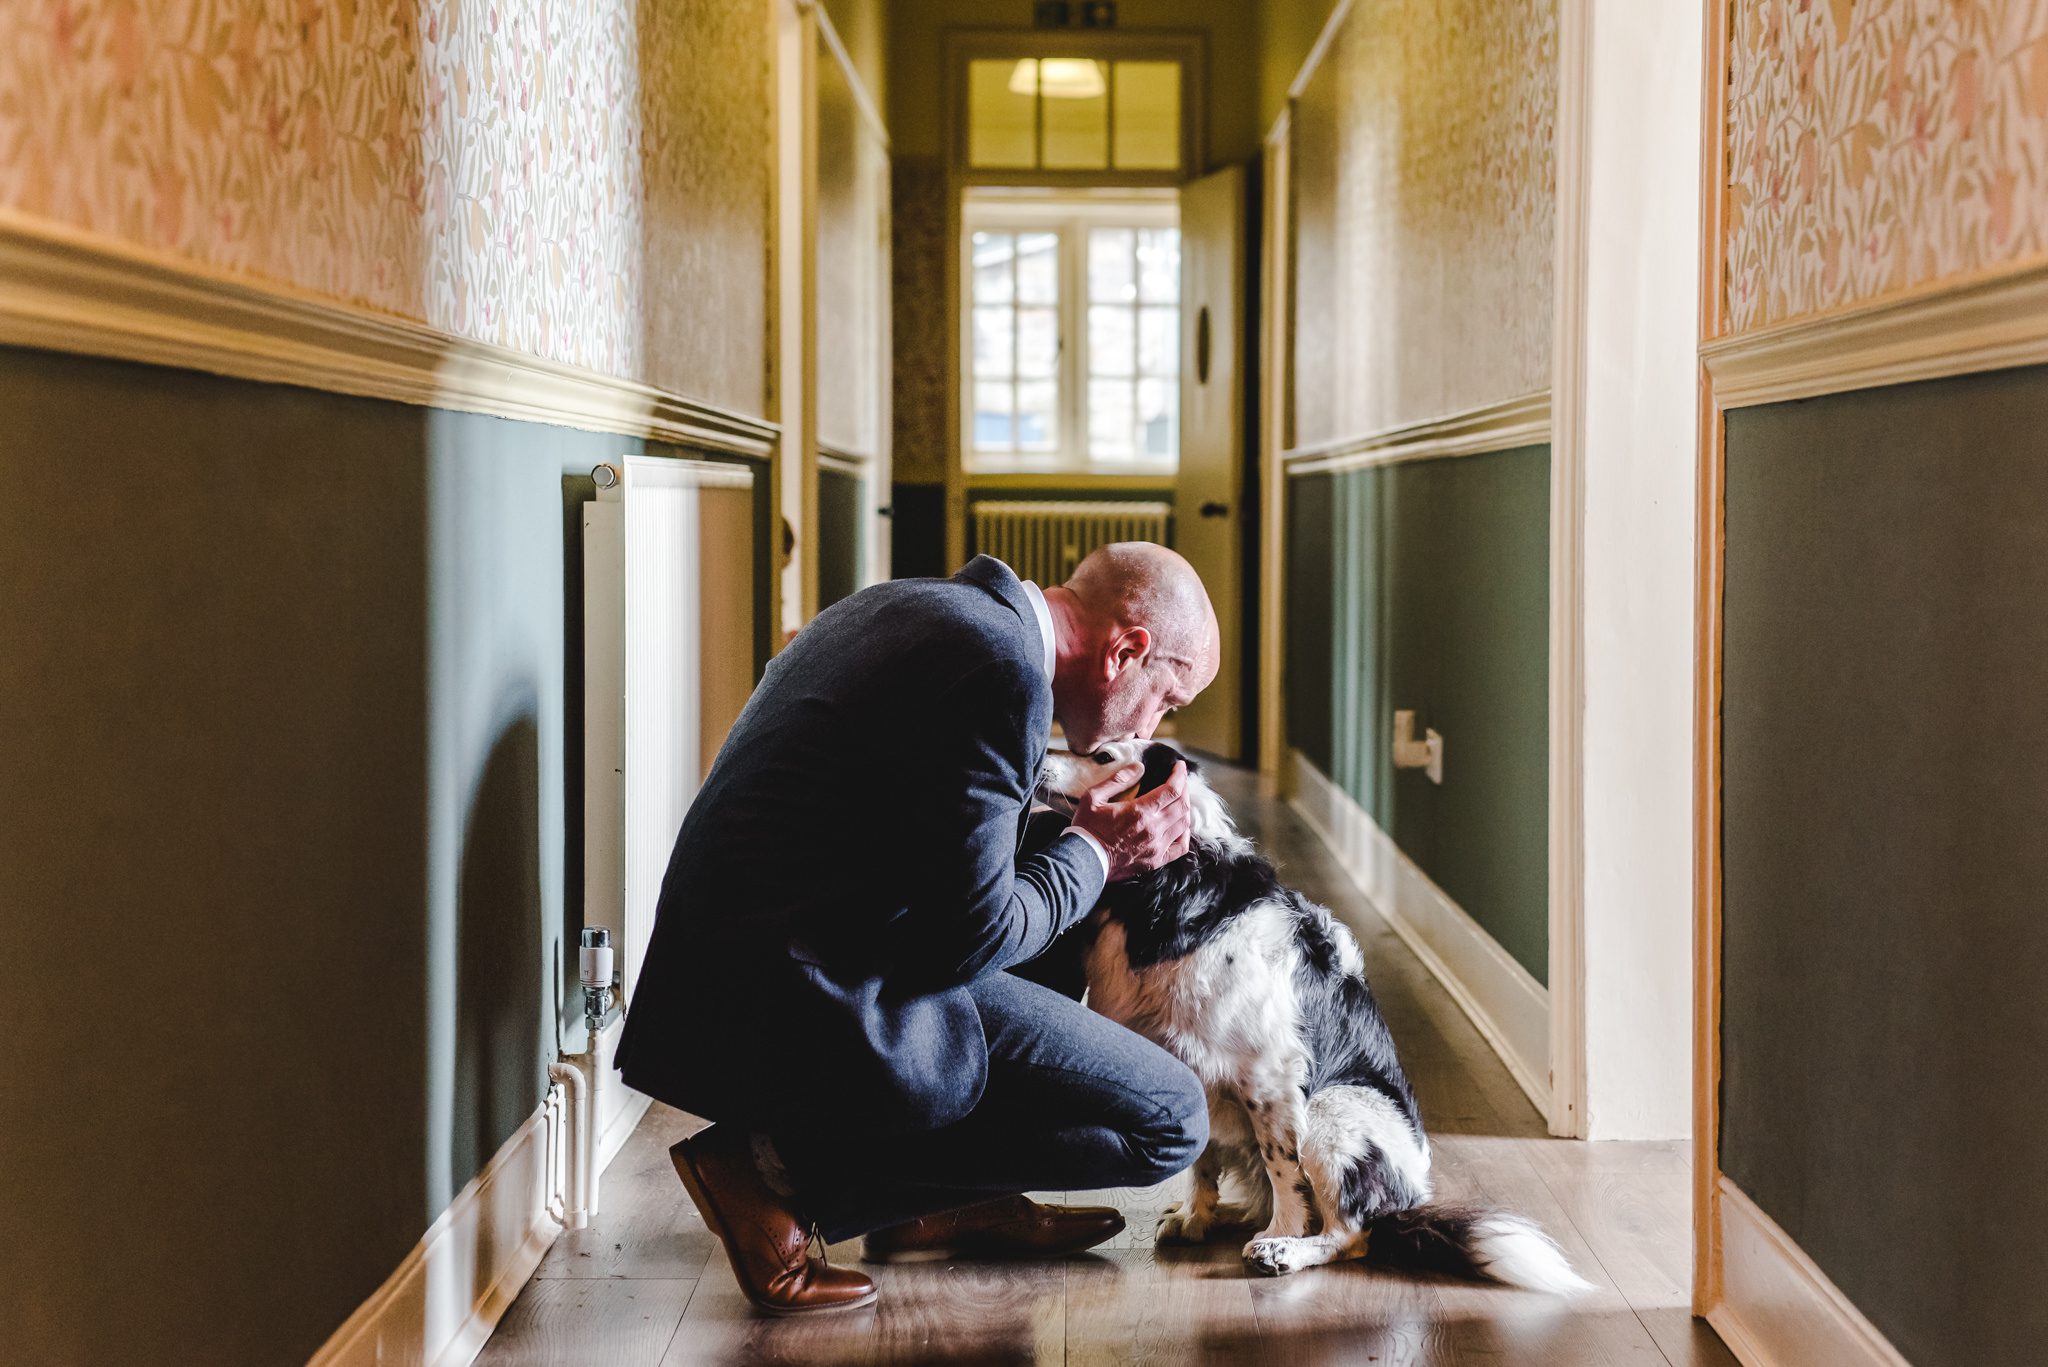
1472	1241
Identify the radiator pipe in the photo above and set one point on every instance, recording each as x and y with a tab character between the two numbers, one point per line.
576	1205
597	973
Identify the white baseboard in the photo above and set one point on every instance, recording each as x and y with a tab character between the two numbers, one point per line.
429	1313
1777	1309
1509	1007
492	1235
619	1107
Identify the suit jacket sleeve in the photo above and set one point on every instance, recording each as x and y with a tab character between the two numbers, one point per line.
979	907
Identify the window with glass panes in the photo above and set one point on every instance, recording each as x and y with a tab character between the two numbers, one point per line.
1074	114
1072	327
1133	344
1016	342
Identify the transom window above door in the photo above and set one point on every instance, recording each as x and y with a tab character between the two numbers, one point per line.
1071	335
1073	114
1068	109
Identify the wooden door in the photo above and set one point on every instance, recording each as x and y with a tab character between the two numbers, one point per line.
1208	499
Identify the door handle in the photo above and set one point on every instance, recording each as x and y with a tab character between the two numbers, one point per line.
1214	509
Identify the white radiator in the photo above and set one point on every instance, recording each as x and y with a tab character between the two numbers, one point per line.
1043	540
668	602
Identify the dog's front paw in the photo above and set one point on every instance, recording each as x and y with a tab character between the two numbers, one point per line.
1275	1257
1178	1226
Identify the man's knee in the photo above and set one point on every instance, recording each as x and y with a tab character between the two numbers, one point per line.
1179	1133
1063	967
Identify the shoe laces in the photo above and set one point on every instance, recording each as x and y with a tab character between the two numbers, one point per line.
817	1241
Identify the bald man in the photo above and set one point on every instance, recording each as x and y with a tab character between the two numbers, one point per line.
840	973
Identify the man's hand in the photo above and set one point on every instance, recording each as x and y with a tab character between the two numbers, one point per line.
1143	833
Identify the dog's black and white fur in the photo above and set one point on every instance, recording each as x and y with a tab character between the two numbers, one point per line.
1263	994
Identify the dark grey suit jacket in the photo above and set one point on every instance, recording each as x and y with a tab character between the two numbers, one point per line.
852	861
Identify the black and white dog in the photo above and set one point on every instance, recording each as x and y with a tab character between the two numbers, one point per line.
1263	994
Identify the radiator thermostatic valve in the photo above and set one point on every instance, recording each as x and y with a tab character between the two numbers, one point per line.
594	970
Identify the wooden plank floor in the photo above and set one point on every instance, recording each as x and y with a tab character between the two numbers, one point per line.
648	1285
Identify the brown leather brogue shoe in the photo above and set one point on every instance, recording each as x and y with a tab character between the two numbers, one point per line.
764	1240
1007	1227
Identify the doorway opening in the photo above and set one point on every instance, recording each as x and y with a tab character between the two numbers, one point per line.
1095	297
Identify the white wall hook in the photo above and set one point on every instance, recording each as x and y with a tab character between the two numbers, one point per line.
1409	753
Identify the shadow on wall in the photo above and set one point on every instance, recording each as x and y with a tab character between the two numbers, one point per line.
281	841
498	938
213	854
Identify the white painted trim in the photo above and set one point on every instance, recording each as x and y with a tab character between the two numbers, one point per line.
493	1236
1325	39
1509	1007
831	459
619	1128
1629	119
66	290
620	1108
1777	1308
870	113
1520	421
1567	693
1275	369
1988	324
794	592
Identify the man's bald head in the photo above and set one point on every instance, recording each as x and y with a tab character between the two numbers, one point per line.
1141	584
1137	639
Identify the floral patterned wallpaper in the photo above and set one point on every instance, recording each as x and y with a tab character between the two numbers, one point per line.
1425	180
853	267
707	134
1875	147
477	165
918	411
530	152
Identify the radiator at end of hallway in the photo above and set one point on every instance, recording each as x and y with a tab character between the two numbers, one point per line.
1043	539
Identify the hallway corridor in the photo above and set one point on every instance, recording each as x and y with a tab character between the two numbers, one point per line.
647	1284
1606	437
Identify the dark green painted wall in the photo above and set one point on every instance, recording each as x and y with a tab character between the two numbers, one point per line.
1309	680
1885	893
1425	585
287	745
842	535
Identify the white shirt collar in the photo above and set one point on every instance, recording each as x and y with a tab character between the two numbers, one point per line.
1052	656
1052	653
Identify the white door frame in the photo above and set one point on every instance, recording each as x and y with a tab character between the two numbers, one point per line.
1567	585
794	599
1625	414
1276	285
1594	998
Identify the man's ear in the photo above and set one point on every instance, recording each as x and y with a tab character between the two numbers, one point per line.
1128	647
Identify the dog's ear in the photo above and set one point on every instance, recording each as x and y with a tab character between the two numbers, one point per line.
1159	760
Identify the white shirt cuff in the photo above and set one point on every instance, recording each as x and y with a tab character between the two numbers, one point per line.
1095	845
